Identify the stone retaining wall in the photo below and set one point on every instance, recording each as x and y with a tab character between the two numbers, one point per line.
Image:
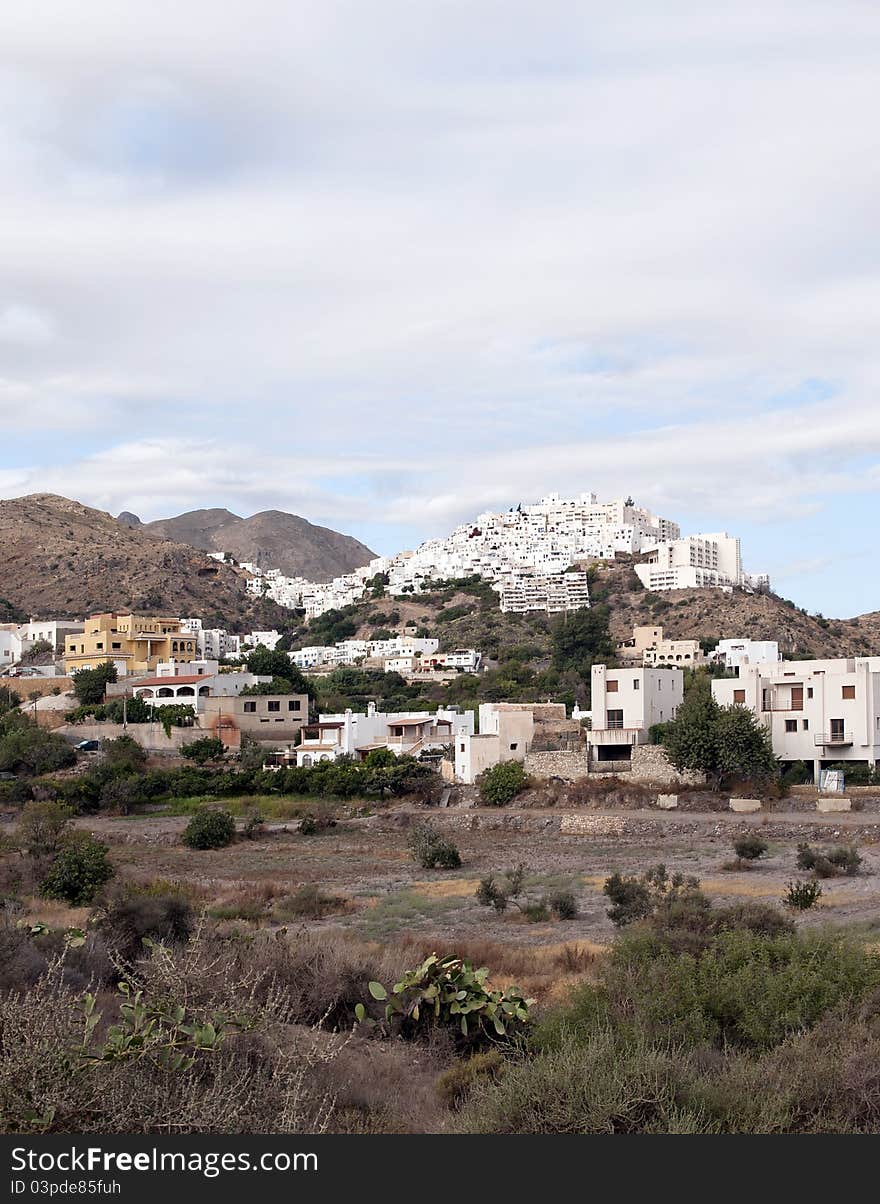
569	764
651	764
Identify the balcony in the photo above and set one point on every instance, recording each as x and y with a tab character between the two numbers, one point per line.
836	739
616	735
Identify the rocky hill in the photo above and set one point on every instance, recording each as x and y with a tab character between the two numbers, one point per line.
271	539
62	558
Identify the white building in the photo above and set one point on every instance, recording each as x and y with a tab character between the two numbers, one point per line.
531	542
553	593
625	705
213	643
268	639
697	562
404	733
734	653
18	638
820	712
506	732
187	682
350	652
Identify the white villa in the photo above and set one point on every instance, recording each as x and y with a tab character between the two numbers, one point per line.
356	735
626	703
820	711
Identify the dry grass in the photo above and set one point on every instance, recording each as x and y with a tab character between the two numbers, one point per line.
447	888
53	913
544	971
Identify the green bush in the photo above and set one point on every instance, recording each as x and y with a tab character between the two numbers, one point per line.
563	904
845	858
502	783
79	871
206	748
431	850
635	898
750	848
801	896
209	830
741	989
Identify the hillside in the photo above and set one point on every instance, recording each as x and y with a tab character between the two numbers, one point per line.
271	539
62	558
461	618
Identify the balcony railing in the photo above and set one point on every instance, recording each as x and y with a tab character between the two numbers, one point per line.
836	737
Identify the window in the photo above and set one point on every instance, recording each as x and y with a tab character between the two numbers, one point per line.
514	747
637	685
294	705
250	708
805	725
611	686
275	706
791	725
809	691
100	648
615	719
115	646
849	691
739	695
461	748
837	730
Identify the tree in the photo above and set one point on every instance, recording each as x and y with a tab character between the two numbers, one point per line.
725	743
80	869
380	758
42	827
207	748
502	783
580	638
27	748
277	664
90	685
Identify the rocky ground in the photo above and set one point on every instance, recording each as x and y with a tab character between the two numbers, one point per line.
365	865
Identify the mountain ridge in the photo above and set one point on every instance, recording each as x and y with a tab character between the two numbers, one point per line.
271	539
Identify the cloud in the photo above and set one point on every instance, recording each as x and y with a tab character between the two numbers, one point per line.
377	267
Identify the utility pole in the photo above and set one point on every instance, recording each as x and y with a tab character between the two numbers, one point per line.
124	712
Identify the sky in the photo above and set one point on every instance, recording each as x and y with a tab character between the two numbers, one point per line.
388	265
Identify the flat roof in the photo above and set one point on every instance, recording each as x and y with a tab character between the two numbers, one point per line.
167	681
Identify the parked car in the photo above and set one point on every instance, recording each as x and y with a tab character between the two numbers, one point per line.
88	746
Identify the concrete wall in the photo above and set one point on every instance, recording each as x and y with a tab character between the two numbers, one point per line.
150	736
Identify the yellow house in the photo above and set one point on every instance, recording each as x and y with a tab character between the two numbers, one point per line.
135	643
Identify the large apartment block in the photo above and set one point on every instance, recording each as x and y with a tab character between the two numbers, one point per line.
554	593
820	712
698	561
